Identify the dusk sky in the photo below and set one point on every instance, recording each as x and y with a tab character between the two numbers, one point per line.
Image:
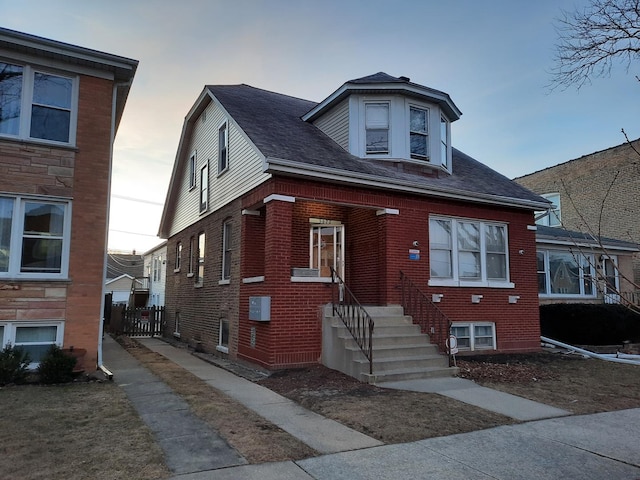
492	57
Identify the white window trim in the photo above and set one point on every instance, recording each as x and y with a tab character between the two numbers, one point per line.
193	170
15	243
26	102
472	337
592	274
176	326
10	334
203	198
483	281
226	225
178	260
544	217
388	103
224	125
315	223
427	111
220	347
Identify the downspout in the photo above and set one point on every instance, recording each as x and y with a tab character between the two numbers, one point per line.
618	358
114	95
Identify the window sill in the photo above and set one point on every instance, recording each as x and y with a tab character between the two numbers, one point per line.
224	282
189	275
456	283
197	285
253	279
567	295
34	279
176	270
222	349
311	279
176	334
40	142
222	172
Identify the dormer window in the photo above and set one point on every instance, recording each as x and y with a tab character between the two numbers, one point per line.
419	132
444	141
377	128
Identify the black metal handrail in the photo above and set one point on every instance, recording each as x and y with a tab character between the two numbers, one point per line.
354	316
426	314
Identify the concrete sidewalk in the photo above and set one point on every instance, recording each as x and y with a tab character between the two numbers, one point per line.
189	444
320	433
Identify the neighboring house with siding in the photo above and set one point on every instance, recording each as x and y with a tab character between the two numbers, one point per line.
60	106
155	268
594	196
269	192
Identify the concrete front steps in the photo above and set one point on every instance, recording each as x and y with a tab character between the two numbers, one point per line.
400	350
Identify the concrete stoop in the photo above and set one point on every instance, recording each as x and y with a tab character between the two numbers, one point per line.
400	350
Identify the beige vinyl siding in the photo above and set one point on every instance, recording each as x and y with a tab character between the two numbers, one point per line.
244	172
335	124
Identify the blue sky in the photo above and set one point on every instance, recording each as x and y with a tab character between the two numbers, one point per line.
492	57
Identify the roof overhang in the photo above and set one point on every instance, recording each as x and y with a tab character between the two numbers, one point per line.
292	168
409	89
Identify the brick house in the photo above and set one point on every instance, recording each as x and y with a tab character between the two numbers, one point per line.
269	192
594	196
60	106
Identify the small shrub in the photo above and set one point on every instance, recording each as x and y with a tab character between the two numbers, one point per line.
56	366
14	365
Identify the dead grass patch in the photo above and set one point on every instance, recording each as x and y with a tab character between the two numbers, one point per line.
571	382
74	432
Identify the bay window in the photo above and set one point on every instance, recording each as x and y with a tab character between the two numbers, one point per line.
468	252
36	104
419	132
34	238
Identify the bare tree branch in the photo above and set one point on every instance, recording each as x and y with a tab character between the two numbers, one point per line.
591	41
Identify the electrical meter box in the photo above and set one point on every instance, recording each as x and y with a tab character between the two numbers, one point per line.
260	309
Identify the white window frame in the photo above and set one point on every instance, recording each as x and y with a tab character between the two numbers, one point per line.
473	337
370	125
227	243
10	334
176	329
553	216
178	262
482	281
338	248
204	187
193	171
221	347
223	147
427	113
445	143
17	235
589	260
201	247
26	104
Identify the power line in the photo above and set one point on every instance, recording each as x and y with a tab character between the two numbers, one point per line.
133	233
139	200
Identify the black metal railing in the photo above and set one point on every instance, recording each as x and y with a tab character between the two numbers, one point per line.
426	314
353	315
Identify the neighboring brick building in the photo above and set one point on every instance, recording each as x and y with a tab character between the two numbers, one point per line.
597	195
60	106
268	192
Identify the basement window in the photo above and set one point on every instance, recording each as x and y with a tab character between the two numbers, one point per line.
475	335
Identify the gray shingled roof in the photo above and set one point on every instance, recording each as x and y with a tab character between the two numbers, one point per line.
563	235
273	123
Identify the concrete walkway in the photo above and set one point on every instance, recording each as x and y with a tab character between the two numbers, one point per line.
470	392
591	447
189	444
320	433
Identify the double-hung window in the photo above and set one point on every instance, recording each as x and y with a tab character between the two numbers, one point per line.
178	262
226	250
468	252
444	141
201	253
552	217
419	133
34	238
223	148
37	105
204	187
565	274
192	170
377	128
